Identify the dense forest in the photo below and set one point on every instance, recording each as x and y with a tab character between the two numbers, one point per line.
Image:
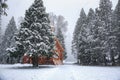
96	38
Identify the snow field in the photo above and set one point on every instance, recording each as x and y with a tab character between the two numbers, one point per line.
63	72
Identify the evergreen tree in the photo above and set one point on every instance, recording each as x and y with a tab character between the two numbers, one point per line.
89	33
96	38
97	47
83	54
90	41
116	24
1	35
105	15
75	43
35	35
3	7
8	39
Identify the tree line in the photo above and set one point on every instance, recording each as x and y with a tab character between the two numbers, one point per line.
96	38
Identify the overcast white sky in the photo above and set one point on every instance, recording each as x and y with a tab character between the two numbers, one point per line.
70	9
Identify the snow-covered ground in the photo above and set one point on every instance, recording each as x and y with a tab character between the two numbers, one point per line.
63	72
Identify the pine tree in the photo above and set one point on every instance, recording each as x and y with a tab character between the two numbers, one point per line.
105	15
83	51
89	36
86	39
35	35
1	35
116	24
3	7
0	20
97	48
75	43
0	43
8	39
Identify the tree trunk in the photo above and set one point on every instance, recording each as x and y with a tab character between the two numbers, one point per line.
112	59
35	60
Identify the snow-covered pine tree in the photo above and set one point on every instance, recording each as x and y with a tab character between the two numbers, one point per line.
35	35
0	25
83	49
86	39
0	32
3	7
89	36
75	43
105	15
0	22
116	25
8	40
0	40
97	58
